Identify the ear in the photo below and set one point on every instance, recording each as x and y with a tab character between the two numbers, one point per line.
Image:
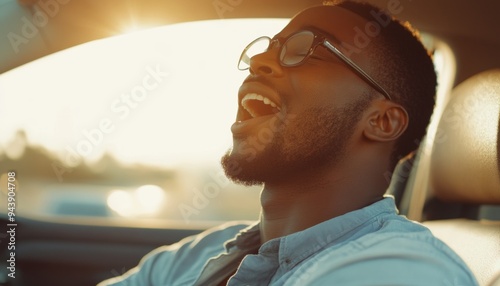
386	122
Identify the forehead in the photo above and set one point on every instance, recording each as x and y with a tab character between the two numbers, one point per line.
336	21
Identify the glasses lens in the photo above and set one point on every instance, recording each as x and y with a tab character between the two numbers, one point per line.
296	48
258	46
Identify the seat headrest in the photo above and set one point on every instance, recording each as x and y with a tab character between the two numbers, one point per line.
465	160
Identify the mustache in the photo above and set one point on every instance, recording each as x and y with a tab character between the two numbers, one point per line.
261	80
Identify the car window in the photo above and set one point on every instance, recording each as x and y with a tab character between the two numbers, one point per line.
133	126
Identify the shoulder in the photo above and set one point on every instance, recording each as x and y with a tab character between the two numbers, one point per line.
400	252
182	260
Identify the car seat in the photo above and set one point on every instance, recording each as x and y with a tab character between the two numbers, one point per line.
461	204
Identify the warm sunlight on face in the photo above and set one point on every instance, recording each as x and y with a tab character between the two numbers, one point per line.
162	96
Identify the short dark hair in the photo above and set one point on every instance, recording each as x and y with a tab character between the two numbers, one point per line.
406	71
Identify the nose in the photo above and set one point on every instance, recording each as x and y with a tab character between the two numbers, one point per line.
266	63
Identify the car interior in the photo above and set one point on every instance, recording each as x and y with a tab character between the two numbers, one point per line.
461	203
451	183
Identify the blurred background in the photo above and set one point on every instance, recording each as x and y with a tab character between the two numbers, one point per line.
130	126
122	109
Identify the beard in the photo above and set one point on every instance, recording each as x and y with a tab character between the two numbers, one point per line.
316	137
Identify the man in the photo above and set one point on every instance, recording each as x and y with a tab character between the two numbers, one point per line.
338	95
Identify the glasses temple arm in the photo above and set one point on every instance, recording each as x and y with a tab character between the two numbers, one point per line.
357	69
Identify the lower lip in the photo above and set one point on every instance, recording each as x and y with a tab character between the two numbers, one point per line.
258	123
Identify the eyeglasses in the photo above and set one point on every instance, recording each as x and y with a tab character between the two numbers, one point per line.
297	48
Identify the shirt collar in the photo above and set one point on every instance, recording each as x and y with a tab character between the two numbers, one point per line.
246	239
294	248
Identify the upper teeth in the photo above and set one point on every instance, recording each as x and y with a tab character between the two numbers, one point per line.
255	96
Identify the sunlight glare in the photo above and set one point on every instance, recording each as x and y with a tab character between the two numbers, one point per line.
150	198
145	201
121	202
132	27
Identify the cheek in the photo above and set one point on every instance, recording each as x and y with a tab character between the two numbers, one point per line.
320	88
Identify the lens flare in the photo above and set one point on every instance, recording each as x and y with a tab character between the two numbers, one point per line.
145	201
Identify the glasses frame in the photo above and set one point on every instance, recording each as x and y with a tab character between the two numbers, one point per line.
319	39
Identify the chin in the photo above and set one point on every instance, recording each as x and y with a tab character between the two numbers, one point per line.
241	171
267	166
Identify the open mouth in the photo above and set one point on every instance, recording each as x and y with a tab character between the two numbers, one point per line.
257	105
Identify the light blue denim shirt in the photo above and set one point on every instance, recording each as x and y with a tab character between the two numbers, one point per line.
369	246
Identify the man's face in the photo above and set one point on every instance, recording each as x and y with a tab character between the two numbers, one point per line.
294	119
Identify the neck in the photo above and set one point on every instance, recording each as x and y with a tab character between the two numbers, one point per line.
315	197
